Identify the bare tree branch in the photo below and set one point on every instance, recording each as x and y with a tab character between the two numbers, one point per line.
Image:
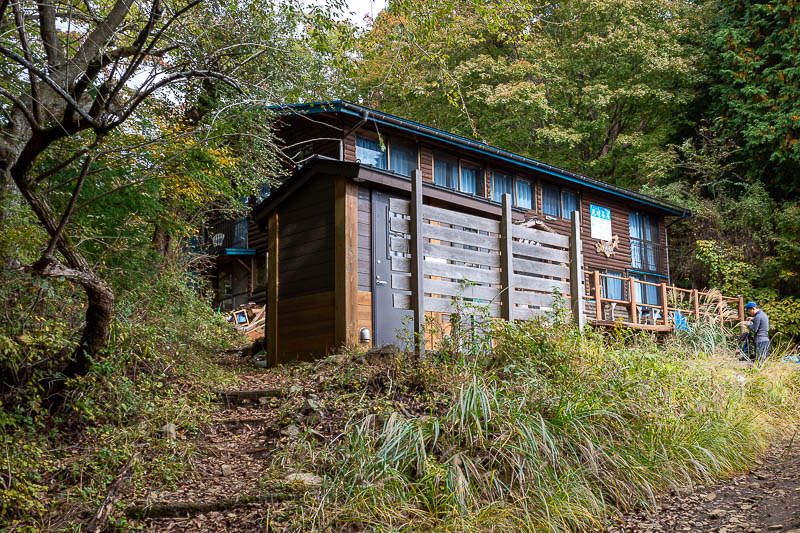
46	174
100	36
68	212
26	50
47	28
19	104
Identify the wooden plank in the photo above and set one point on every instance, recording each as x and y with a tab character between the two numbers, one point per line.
400	225
526	313
462	272
541	284
740	308
451	288
598	296
533	298
576	271
460	219
695	304
461	254
271	325
467	238
417	263
401	264
632	292
399	244
541	252
507	258
664	304
440	305
544	237
400	206
543	269
401	282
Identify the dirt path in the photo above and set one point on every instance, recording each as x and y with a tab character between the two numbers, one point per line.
766	499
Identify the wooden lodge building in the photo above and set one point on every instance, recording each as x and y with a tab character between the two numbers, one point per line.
319	249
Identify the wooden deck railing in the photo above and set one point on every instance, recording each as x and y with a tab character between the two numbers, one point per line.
692	303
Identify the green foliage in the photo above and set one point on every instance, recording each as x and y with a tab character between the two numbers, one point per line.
756	75
784	317
728	270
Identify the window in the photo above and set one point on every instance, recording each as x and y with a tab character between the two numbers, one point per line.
501	184
559	203
647	294
370	153
402	159
524	197
613	287
646	252
445	172
469	180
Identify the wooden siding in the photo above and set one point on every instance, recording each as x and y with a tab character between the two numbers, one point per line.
364	239
306	242
346	261
365	310
305	327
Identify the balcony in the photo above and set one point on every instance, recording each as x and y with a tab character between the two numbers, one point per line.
647	256
228	237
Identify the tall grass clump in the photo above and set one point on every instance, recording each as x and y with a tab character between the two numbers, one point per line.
555	430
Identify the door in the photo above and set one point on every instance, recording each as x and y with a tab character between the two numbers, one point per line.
390	325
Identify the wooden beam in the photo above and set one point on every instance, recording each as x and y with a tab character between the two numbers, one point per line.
598	296
346	262
506	259
271	324
664	304
696	304
417	262
742	326
576	282
632	293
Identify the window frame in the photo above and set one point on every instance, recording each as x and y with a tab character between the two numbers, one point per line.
460	164
515	178
560	191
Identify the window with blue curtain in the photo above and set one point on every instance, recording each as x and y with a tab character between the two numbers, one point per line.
445	172
551	201
613	287
370	153
501	184
646	294
569	203
524	196
402	159
644	238
469	180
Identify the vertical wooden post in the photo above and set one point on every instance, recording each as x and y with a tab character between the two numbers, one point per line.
345	262
664	304
506	260
576	283
417	262
598	296
720	309
696	305
271	325
742	326
634	311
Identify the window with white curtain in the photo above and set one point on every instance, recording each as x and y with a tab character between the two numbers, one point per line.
369	152
501	184
402	159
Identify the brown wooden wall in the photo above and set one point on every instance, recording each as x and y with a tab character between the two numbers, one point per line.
306	241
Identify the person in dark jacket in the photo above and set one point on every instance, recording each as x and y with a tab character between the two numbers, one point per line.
759	329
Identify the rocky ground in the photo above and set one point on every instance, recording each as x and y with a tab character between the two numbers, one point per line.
229	486
765	499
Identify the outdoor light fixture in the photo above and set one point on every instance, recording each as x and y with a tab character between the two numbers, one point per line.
364	336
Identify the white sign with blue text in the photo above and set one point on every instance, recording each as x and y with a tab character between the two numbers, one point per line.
601	222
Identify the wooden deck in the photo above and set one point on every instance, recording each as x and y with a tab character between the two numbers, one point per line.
657	328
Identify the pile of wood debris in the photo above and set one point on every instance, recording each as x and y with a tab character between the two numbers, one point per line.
249	319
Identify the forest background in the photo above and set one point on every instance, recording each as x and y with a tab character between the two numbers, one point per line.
127	125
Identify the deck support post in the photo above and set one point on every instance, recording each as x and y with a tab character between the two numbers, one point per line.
696	305
664	304
271	323
576	282
506	260
634	314
417	262
598	296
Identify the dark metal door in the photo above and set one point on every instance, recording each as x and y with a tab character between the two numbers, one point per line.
390	324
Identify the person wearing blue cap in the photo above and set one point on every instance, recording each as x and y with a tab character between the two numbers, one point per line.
759	326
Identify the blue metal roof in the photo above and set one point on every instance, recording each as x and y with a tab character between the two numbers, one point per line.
342	106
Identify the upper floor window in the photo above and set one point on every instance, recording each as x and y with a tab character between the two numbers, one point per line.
646	251
524	194
558	202
369	152
469	179
501	184
445	172
402	159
